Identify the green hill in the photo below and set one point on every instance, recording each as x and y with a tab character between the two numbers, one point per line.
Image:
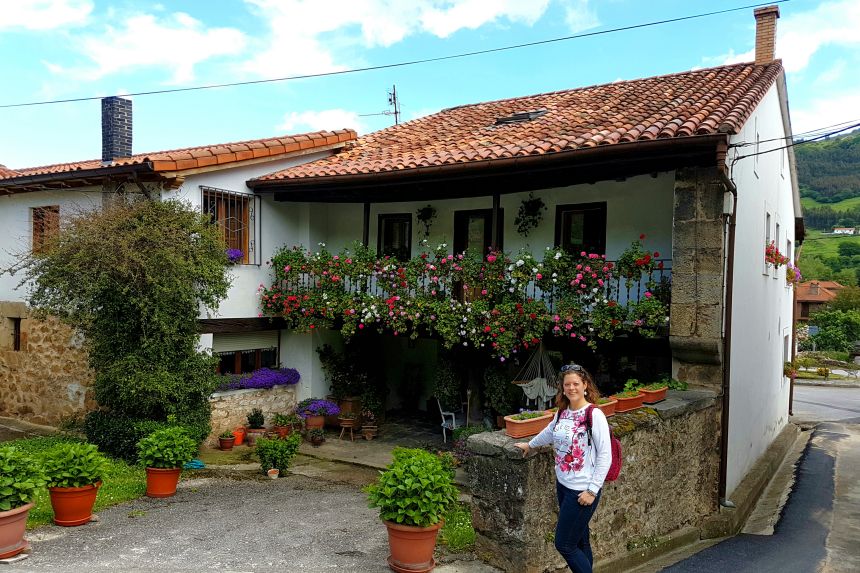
829	171
844	205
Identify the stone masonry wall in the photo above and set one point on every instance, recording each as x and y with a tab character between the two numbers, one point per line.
230	409
668	482
48	379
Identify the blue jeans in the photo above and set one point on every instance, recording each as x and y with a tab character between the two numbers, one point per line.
571	532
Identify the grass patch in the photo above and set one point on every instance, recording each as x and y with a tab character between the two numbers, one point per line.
802	374
121	482
823	245
844	205
457	533
238	455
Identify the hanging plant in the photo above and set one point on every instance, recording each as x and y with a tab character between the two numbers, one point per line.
426	216
530	214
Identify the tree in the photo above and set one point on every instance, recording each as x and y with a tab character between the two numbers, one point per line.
846	299
133	278
848	249
838	329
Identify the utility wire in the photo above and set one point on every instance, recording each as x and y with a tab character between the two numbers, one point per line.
410	62
795	144
794	136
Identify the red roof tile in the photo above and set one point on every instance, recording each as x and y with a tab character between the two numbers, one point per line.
700	102
195	157
825	291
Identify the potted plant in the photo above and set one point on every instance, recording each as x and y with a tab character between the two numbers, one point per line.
20	479
369	429
412	495
316	436
607	405
654	392
278	453
347	381
73	472
256	429
226	440
285	424
527	423
273	473
628	400
163	453
314	411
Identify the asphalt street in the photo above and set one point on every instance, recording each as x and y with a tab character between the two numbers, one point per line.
817	529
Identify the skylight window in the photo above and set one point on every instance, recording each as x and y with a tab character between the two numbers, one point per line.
521	116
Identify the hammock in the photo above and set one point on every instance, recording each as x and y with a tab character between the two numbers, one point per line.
538	378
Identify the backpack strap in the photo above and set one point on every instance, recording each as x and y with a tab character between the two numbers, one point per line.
588	413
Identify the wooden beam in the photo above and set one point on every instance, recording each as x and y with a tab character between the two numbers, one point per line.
365	233
494	226
225	325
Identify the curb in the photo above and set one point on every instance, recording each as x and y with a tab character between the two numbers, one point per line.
823	384
674	540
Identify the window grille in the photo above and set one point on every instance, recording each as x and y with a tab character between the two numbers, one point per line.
238	217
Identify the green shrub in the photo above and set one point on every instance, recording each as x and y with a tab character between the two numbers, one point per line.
466	431
278	453
118	435
166	448
256	419
73	464
20	478
458	533
416	489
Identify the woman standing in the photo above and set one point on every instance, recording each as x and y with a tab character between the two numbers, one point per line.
582	459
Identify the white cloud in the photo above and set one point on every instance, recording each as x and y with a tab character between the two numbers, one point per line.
825	111
579	16
801	34
44	14
306	35
177	42
328	119
834	73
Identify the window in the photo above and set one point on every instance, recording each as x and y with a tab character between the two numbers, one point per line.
244	361
394	237
581	227
776	238
788	251
46	225
474	230
767	239
235	214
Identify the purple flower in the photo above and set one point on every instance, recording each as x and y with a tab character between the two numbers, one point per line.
316	407
261	379
235	255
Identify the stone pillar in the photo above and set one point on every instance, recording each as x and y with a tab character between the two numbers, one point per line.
695	327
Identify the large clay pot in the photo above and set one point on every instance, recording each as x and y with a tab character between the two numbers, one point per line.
653	396
313	422
411	547
73	505
226	444
627	404
13	524
162	482
530	427
608	408
283	431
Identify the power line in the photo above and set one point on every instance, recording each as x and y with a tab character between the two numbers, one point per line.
796	143
794	136
409	62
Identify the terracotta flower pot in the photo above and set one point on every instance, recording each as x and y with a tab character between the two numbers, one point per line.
523	428
654	396
162	482
13	524
226	444
273	473
411	547
608	408
73	505
251	435
317	441
627	404
239	434
283	431
313	422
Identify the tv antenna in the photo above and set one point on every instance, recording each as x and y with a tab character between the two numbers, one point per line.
393	101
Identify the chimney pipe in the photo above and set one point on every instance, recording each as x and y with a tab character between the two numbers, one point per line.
116	128
765	34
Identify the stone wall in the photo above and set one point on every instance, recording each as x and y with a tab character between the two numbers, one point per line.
48	379
230	409
668	482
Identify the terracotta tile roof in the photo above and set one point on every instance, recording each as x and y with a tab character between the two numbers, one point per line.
827	291
196	157
700	102
6	172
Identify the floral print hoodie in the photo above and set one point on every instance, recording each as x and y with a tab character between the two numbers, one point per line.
578	465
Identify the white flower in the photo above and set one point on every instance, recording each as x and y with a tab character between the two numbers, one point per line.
534	269
511	289
465	319
520	263
557	255
554	275
321	245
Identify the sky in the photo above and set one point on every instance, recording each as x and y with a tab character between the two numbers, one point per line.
59	49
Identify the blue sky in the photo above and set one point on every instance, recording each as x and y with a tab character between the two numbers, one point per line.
55	49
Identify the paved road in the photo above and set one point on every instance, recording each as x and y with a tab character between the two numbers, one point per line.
820	404
820	525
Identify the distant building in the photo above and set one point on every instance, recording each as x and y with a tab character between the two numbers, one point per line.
844	230
812	295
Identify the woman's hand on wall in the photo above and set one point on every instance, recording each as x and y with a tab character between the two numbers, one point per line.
524	446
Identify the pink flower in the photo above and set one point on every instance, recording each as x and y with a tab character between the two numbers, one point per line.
484	292
600	282
648	294
539	276
491	258
361	325
582	254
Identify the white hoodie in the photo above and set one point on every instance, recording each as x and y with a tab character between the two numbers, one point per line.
578	465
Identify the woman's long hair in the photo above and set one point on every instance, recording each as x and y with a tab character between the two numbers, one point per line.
592	394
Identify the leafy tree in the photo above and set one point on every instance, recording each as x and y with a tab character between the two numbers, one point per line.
838	329
133	278
848	249
846	299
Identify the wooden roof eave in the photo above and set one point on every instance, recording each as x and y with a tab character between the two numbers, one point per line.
80	178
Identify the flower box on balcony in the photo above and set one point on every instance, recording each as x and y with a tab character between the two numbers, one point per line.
526	423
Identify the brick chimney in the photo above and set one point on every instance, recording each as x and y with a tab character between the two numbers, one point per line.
814	288
765	33
116	128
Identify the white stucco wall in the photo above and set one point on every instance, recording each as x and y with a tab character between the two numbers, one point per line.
762	303
638	205
16	227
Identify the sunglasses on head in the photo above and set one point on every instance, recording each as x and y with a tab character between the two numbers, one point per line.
571	368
